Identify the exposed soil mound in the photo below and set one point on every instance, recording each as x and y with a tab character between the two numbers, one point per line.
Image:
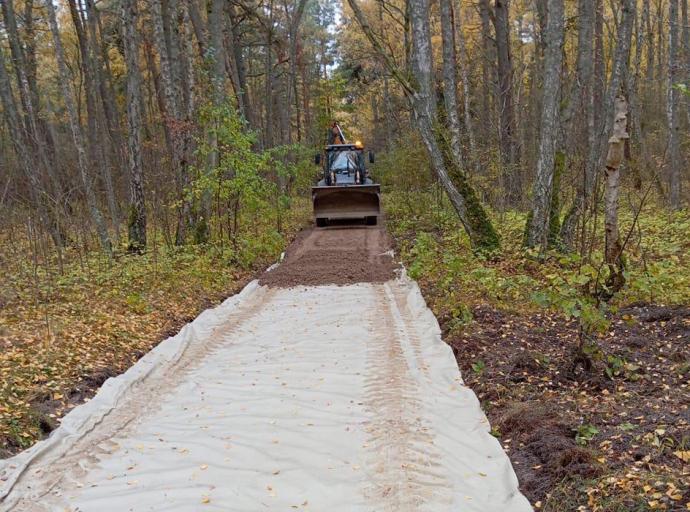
336	255
654	313
547	446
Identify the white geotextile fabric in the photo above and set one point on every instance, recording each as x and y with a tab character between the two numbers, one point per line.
311	398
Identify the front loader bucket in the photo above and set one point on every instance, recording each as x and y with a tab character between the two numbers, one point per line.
346	202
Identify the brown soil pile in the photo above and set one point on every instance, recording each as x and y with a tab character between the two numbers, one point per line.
336	255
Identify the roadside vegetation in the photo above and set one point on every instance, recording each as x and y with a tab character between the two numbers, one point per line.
589	397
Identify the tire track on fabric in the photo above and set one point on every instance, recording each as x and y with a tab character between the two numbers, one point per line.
402	460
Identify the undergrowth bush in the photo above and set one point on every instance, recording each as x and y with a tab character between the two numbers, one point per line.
435	247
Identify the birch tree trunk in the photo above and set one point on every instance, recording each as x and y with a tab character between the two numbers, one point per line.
543	186
137	210
614	159
76	131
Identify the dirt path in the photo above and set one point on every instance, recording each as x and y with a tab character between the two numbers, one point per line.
339	398
338	255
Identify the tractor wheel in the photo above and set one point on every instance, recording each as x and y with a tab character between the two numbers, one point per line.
371	221
321	222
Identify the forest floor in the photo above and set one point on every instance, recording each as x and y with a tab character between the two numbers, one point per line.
63	334
613	438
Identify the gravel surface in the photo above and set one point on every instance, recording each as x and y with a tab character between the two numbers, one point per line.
338	255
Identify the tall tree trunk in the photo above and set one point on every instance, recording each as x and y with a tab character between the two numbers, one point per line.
510	157
230	56
97	138
105	78
293	34
662	63
174	121
465	79
603	128
647	20
77	134
216	50
167	76
189	64
673	107
306	95
22	146
685	54
488	68
268	97
463	197
37	132
543	185
450	86
137	210
237	38
632	87
599	70
198	24
580	100
17	54
579	107
171	26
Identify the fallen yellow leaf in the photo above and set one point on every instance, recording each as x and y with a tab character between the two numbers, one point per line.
684	455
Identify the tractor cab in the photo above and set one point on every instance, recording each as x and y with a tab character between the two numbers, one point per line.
345	190
344	165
